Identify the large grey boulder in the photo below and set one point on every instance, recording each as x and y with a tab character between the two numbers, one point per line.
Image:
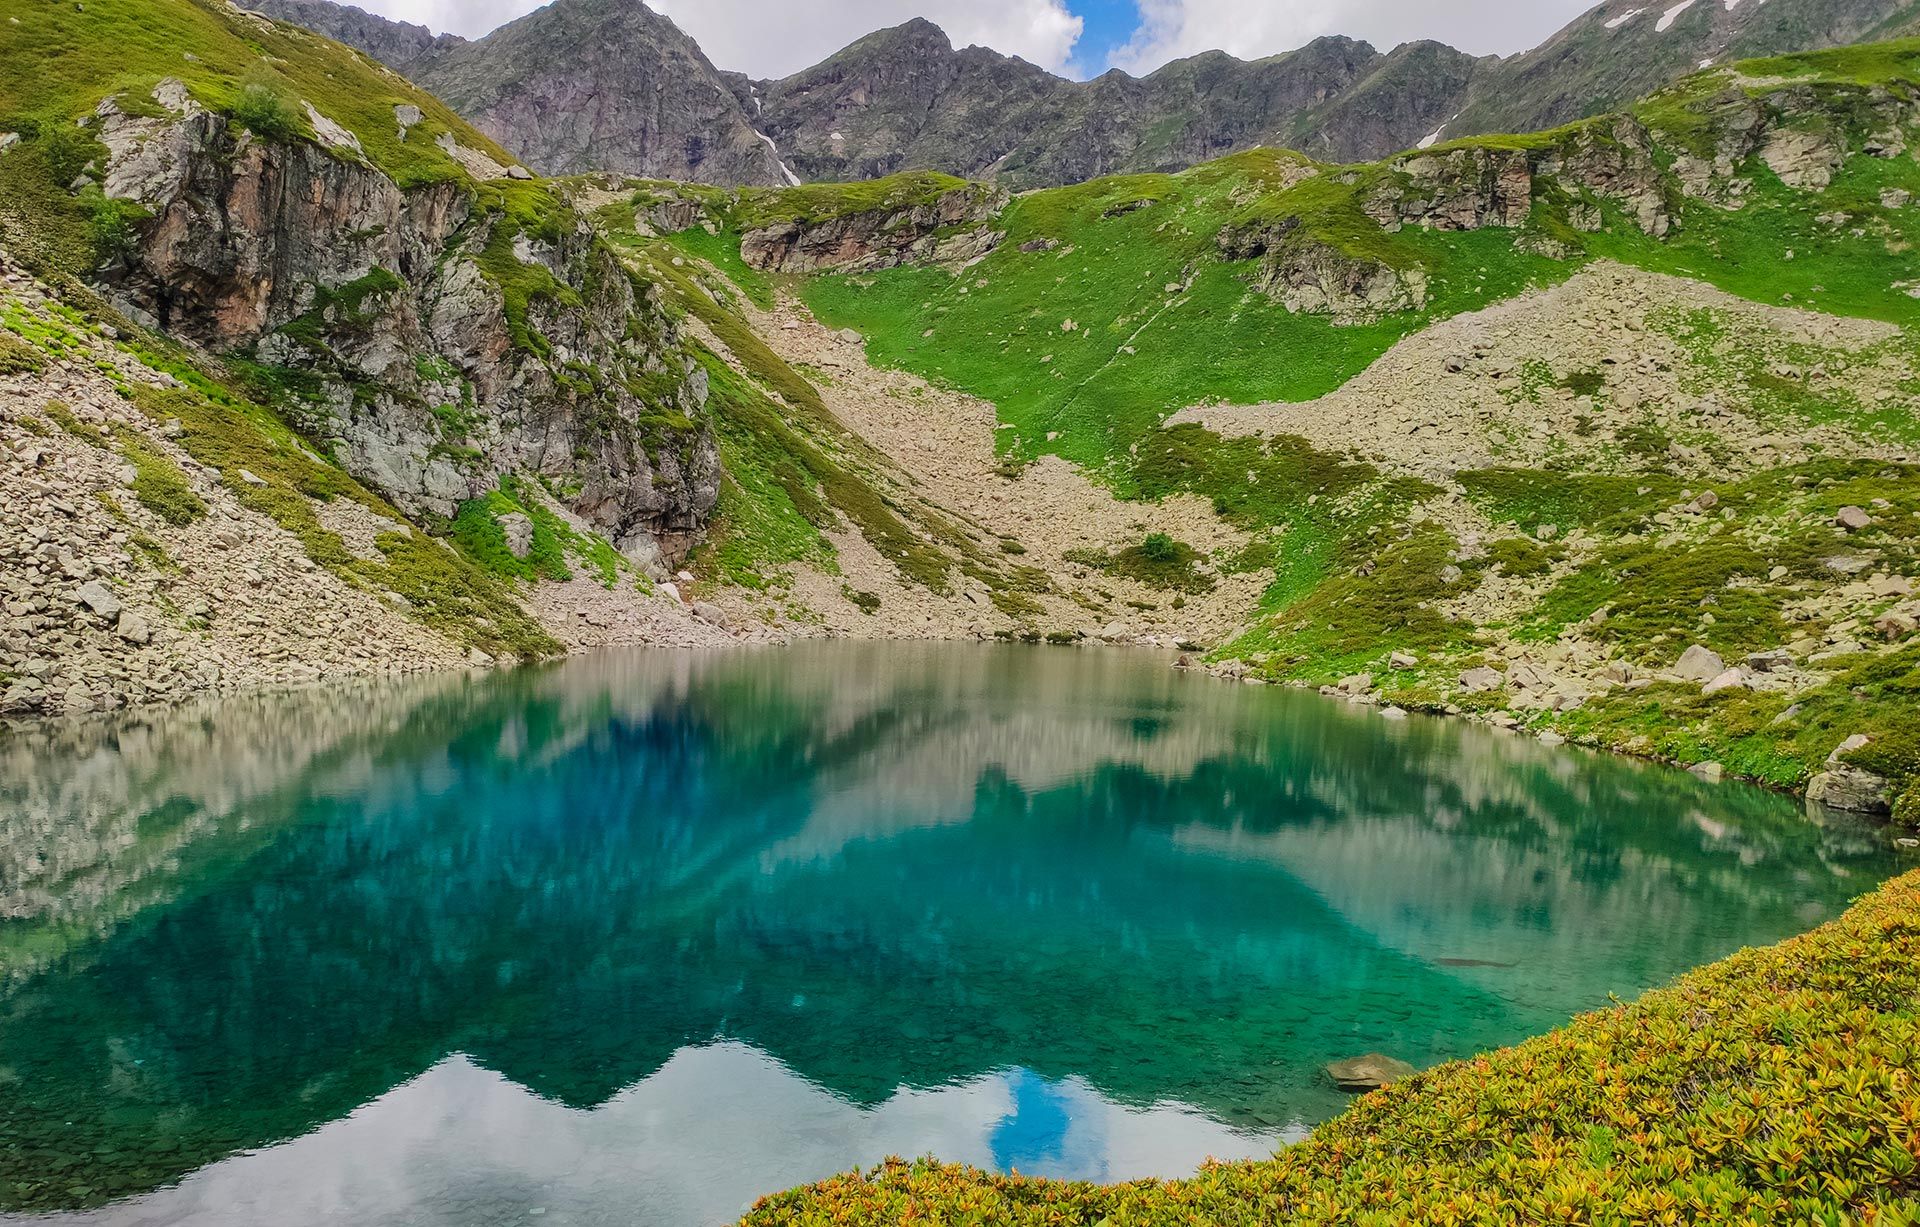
1843	786
1482	679
1698	664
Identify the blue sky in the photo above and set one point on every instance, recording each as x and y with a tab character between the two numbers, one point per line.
1109	24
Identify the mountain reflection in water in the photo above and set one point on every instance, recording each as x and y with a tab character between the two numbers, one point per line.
644	936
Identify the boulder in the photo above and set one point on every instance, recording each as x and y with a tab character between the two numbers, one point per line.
99	598
1481	680
1853	519
1359	683
1712	773
1369	1073
1732	679
1768	662
1853	789
133	628
1844	786
709	613
1698	664
1403	660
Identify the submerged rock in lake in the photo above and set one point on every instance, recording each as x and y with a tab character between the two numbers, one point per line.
1369	1073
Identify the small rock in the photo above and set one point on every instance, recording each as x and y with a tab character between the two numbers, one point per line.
1369	1073
1359	683
709	613
1393	713
851	336
1712	773
252	478
1403	660
1706	502
1768	662
1551	738
1853	519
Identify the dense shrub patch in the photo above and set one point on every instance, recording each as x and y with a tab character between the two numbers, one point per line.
1780	1086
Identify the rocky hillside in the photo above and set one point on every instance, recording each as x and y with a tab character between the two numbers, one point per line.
413	301
589	85
453	347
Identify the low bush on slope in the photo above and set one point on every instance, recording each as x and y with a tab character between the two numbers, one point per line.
1780	1086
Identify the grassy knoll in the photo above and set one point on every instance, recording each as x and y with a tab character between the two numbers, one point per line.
1779	1086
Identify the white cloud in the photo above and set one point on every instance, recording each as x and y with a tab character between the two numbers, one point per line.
1253	28
771	38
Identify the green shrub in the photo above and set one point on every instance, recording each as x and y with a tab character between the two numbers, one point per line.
264	111
1778	1086
1522	557
19	358
159	484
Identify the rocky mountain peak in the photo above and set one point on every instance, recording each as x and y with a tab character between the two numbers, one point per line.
586	85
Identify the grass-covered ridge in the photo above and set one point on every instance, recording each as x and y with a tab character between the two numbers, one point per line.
1779	1086
61	61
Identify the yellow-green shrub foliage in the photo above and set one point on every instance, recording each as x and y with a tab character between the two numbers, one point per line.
1780	1086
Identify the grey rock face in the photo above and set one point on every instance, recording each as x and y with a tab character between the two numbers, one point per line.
389	303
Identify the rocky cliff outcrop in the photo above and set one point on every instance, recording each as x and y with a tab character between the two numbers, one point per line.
1644	168
954	227
1311	274
439	337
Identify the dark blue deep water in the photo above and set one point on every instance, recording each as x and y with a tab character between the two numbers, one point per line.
639	938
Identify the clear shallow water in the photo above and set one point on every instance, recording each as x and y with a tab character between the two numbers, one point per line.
639	938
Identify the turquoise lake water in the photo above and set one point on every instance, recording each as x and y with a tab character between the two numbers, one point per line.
641	937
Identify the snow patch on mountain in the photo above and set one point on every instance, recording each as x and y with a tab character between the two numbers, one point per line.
1672	15
1624	18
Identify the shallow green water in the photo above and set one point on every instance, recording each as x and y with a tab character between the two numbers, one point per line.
641	937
